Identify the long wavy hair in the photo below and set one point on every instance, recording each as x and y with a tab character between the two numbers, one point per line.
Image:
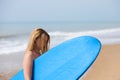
37	33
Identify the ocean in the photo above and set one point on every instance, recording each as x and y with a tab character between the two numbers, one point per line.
14	36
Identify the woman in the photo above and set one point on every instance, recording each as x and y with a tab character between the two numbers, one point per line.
38	44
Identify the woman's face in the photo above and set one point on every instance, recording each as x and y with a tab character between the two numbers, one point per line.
41	41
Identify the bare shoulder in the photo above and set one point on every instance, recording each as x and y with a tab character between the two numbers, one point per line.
28	55
28	60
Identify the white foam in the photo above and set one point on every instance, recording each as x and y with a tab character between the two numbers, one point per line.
58	33
8	46
106	36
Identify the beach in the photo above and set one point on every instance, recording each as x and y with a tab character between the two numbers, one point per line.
14	40
62	20
106	66
10	64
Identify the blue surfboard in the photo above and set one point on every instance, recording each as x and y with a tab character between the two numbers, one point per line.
67	61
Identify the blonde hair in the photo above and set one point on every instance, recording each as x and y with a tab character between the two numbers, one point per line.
37	33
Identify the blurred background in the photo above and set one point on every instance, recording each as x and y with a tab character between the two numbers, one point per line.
62	19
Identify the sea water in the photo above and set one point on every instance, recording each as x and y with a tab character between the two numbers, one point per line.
14	37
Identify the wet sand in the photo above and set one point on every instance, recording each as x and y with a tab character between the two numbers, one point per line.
10	64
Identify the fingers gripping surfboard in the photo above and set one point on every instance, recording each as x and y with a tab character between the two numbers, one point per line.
67	61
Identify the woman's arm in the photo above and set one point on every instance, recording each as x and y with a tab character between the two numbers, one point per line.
27	65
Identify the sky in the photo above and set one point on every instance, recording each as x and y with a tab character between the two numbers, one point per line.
59	10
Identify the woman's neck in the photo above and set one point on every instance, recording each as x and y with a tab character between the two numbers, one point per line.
36	51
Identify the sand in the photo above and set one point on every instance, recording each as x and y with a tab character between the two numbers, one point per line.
106	66
10	64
